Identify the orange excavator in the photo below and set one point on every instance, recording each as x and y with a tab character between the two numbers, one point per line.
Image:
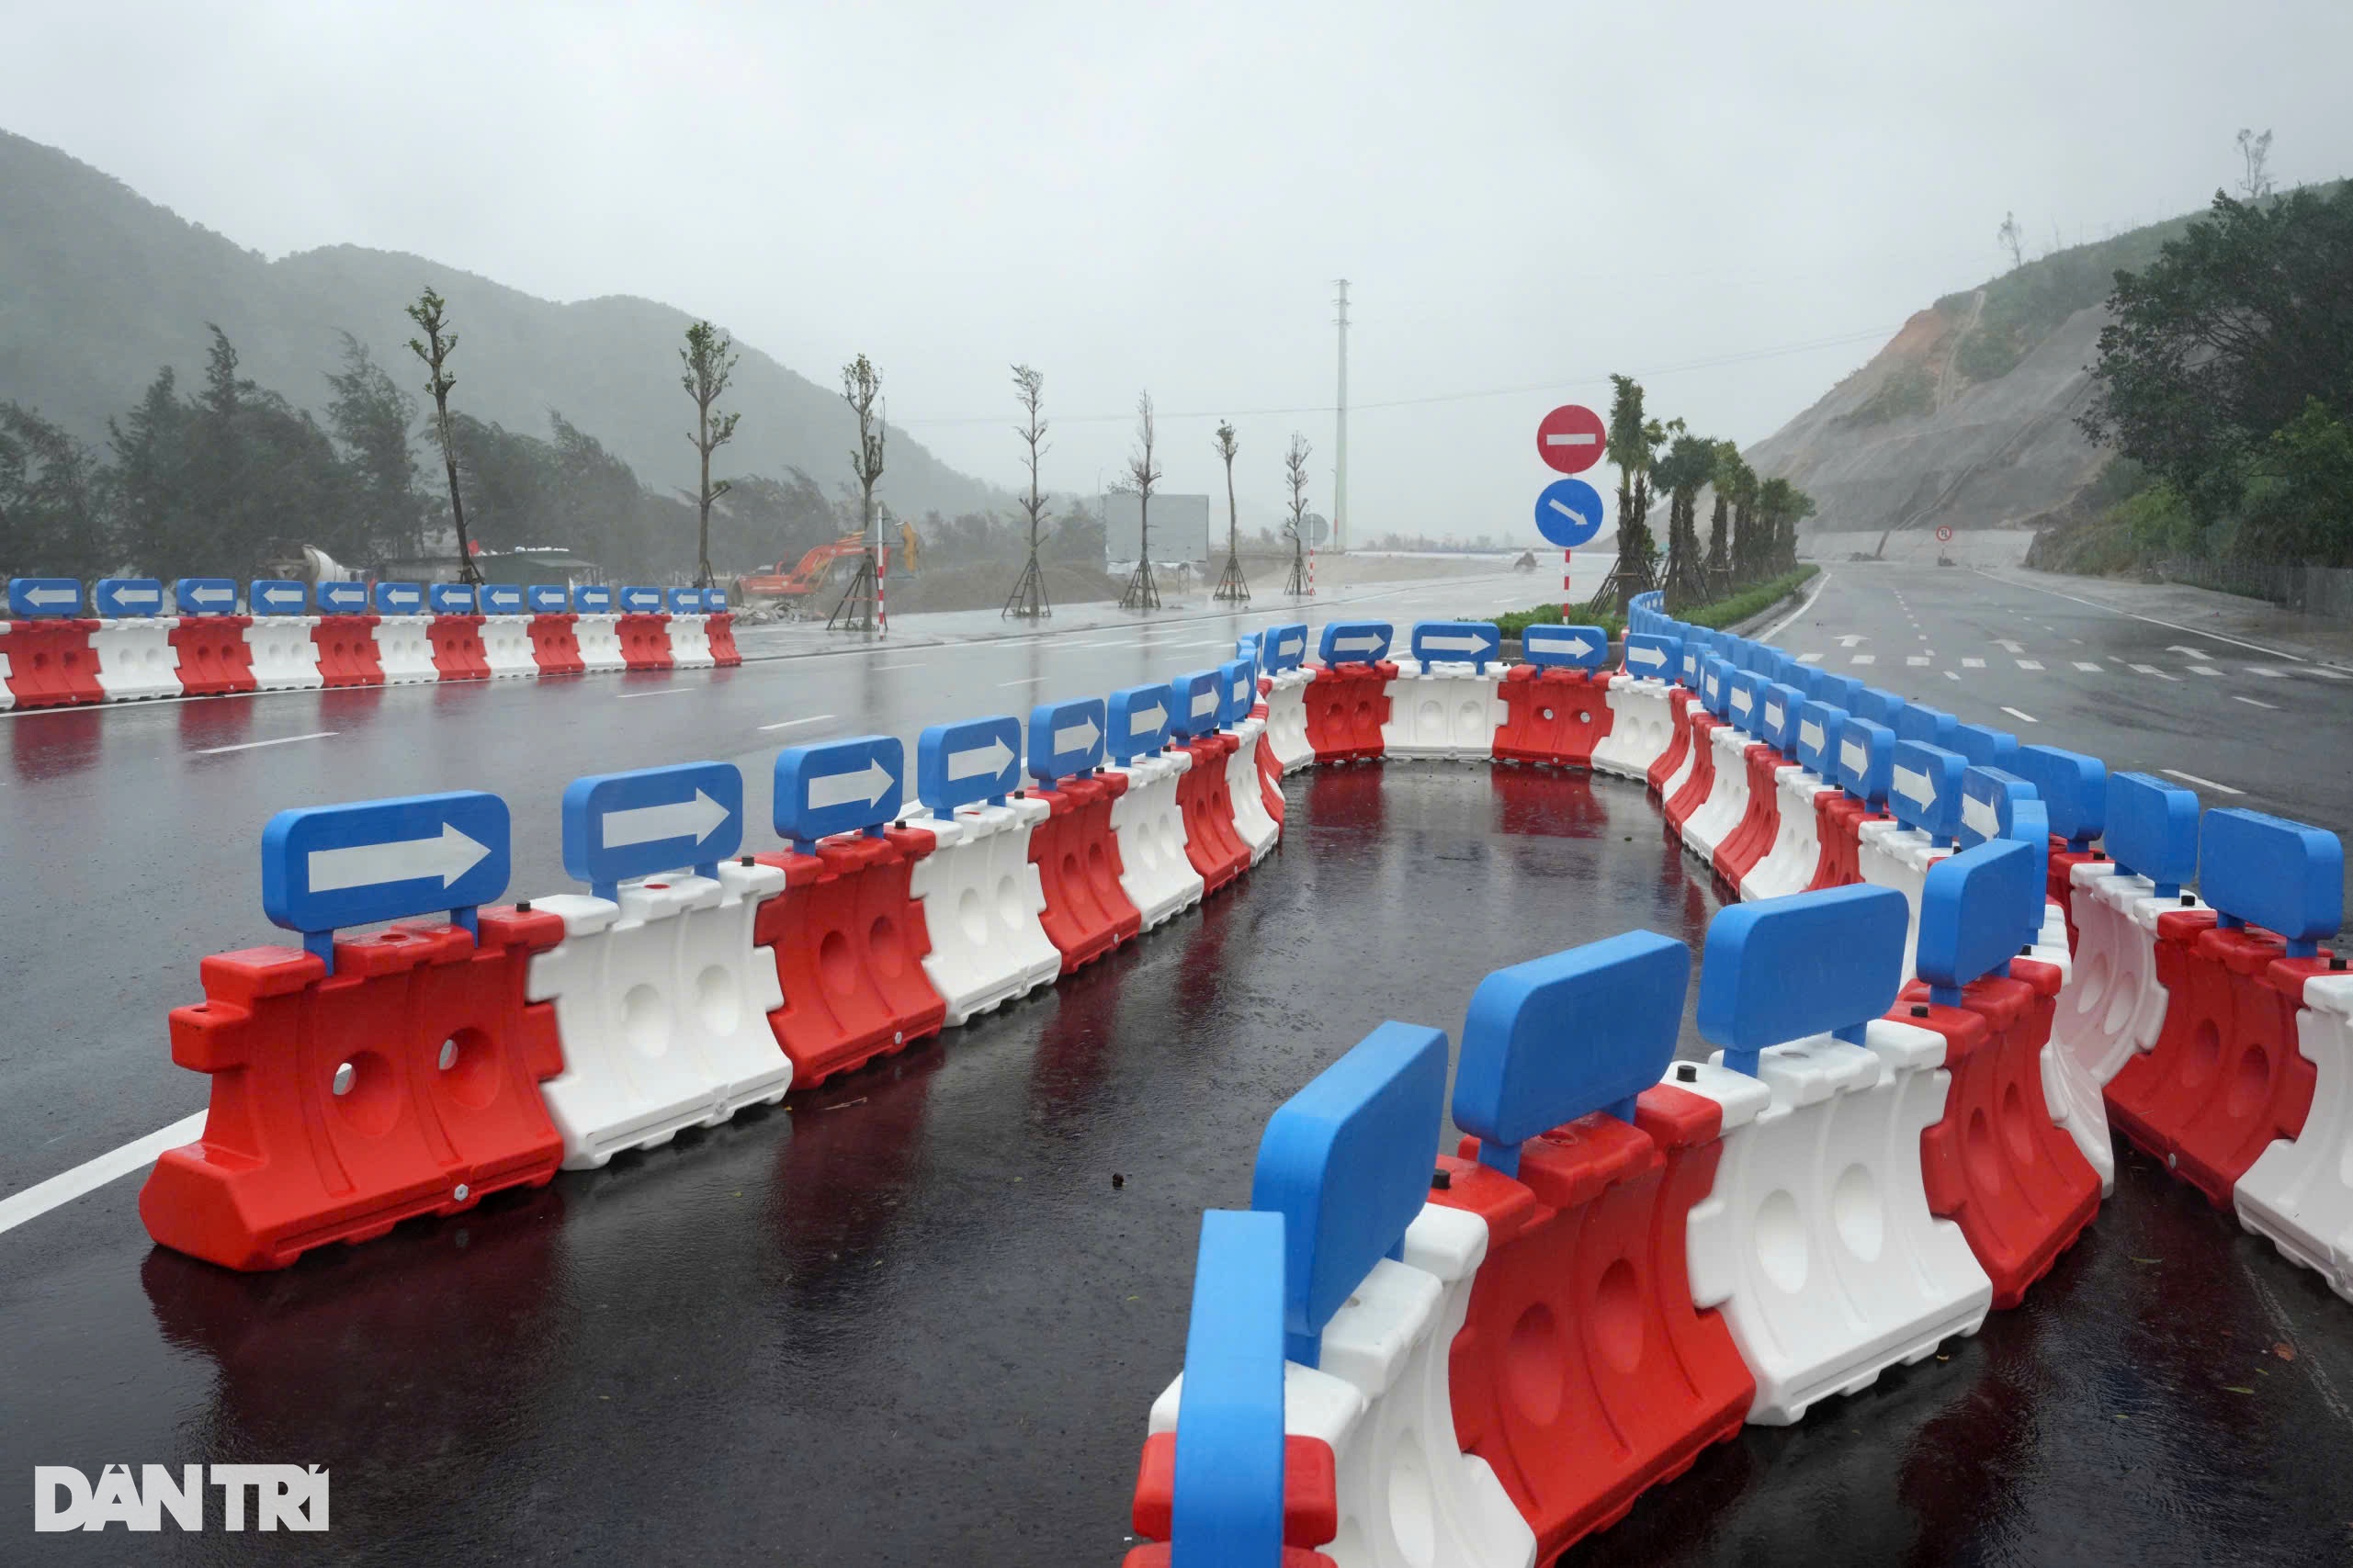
796	589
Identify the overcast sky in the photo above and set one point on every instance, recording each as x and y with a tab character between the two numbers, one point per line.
1735	202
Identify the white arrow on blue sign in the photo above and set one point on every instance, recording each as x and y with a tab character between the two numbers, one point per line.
1569	512
1138	721
1065	738
956	764
399	598
328	867
276	598
838	786
127	596
205	595
343	598
641	600
619	826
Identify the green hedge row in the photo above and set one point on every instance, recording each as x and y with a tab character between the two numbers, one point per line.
1724	612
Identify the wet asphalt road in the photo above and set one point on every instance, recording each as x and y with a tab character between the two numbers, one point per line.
908	1318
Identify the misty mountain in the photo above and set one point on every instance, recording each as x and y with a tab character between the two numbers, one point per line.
101	286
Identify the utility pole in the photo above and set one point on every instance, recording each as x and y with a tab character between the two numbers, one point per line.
1339	447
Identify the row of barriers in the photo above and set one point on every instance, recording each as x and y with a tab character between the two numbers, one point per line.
1957	961
136	638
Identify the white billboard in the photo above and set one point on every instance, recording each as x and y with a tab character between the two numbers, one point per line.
1179	527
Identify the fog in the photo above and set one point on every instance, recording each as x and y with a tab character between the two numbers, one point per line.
1737	203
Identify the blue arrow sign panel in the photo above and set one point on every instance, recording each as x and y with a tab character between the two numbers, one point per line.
1567	647
340	598
1838	690
1781	969
1866	755
1283	648
399	599
685	600
1931	726
1815	738
1569	512
838	786
546	598
641	601
1923	789
1227	1502
2073	789
501	599
31	597
1651	654
276	597
1238	678
619	826
1138	721
117	597
714	601
592	599
1199	700
1990	801
451	598
2152	831
979	759
326	867
1985	747
205	595
2278	875
1356	642
1346	1163
1977	908
1743	700
1479	643
1547	1041
1778	729
1065	738
1716	683
1687	672
1879	706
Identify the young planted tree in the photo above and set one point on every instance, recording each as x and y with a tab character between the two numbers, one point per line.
1629	443
1683	469
430	314
709	358
1781	506
1294	527
1736	482
1028	600
860	608
1143	472
1230	587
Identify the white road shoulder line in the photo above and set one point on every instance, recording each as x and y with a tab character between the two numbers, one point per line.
2201	784
257	744
2255	702
795	723
43	1196
665	692
1805	604
2132	616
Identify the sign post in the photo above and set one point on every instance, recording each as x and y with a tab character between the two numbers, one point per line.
1570	440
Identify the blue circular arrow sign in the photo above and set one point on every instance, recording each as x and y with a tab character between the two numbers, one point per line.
1569	512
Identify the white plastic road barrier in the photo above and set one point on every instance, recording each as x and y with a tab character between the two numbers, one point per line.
136	658
1892	856
2300	1193
1408	1496
1692	745
7	697
2112	1005
690	643
1788	867
662	1003
1727	800
1444	709
1642	724
1155	872
600	643
1252	824
1817	1239
1286	718
285	659
981	899
405	651
506	647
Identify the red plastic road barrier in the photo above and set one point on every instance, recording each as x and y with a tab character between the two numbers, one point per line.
849	942
1996	1164
1207	803
215	659
2060	886
555	645
458	648
1347	705
441	1104
645	641
347	654
1701	784
52	663
1310	1501
1087	913
1270	774
720	628
1582	1373
2225	1076
1678	741
1552	716
1838	821
1761	823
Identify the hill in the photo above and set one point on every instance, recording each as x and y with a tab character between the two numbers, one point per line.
99	287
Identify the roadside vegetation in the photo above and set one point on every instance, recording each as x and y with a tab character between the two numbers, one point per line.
1727	612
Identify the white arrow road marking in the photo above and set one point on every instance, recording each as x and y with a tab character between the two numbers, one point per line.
1572	438
1463	644
981	762
1078	737
698	820
1809	735
449	855
38	596
1364	642
1914	787
1650	656
869	785
1979	817
2201	784
1848	639
1141	720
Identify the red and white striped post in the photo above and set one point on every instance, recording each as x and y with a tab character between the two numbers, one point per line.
1567	598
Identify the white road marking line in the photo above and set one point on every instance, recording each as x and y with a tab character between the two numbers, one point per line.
1917	660
2153	669
1809	658
2255	702
1952	674
2022	718
665	692
796	723
2152	620
1805	604
2205	669
2202	783
254	745
1864	659
2267	674
88	1177
1024	680
2325	673
2087	665
1967	663
2029	664
906	664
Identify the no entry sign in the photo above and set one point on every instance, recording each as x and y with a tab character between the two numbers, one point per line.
1569	438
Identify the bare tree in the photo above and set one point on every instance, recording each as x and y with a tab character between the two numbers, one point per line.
2256	153
435	348
2013	239
1028	599
709	358
861	389
1231	587
1142	593
1295	473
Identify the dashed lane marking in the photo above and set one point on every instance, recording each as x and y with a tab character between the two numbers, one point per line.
797	723
1968	664
1917	660
1865	659
2201	784
2205	669
2267	673
2255	702
257	744
1809	658
2029	664
2087	664
2021	718
2153	669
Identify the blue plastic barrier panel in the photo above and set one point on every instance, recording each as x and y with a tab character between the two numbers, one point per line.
1977	908
501	599
1479	643
31	598
1065	738
1239	679
592	598
1816	738
1346	1162
1782	969
2269	872
1930	726
619	826
118	598
1246	646
546	599
1743	700
1984	747
1227	1505
1924	788
1649	654
451	598
1989	800
1548	1040
1877	706
685	600
1716	683
1200	698
326	867
1283	648
340	598
1866	760
1687	670
1356	642
641	600
1137	721
397	598
276	596
1779	728
714	601
978	759
838	786
205	595
1841	692
2072	787
2152	831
